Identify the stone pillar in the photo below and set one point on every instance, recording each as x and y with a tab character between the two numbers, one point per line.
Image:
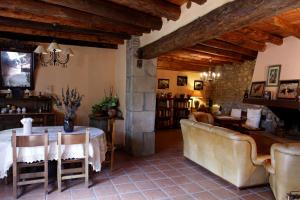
140	102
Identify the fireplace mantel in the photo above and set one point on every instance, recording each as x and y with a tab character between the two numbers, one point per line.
279	103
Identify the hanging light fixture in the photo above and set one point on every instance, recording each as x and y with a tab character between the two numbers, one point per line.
210	75
54	56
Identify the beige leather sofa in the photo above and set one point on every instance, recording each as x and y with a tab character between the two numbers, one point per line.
202	117
284	169
226	153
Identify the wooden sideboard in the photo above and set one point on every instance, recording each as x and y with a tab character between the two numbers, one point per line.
37	108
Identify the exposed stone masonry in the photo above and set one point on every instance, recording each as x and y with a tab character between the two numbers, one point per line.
140	102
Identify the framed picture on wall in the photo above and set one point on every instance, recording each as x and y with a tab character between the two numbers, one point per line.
257	89
163	84
273	75
288	89
182	80
198	85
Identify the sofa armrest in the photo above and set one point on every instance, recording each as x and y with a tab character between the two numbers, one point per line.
261	159
269	167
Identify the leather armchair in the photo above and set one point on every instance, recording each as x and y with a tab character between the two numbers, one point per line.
284	169
202	117
226	153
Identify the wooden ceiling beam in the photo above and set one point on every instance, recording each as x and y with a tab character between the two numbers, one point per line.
243	41
230	47
45	39
193	60
47	13
154	7
180	66
261	36
231	16
59	28
112	11
220	52
61	35
199	2
198	55
286	26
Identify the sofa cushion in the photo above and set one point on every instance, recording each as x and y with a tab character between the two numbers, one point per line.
253	118
236	113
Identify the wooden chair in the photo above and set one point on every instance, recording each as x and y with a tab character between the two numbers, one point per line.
28	177
110	139
77	172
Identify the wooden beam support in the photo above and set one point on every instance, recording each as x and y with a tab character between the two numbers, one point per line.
34	38
220	52
261	36
230	47
47	31
286	26
192	60
112	11
47	13
231	16
154	7
200	2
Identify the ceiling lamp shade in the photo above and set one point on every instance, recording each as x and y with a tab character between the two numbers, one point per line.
54	47
40	50
56	56
69	52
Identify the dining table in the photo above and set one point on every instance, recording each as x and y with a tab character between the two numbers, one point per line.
97	147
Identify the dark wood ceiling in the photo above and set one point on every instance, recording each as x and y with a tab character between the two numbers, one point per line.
104	23
235	46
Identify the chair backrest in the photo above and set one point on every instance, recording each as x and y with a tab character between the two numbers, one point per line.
286	162
29	141
68	139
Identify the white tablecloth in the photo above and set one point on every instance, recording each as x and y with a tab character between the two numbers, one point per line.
97	147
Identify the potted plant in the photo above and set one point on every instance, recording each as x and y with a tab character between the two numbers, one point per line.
70	102
107	106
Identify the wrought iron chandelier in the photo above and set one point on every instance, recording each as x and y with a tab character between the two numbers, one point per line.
209	75
54	56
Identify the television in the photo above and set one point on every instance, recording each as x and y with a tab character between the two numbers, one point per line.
16	70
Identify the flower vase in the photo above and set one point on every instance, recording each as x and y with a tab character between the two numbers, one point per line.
68	124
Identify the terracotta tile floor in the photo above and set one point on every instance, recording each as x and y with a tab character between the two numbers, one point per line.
165	175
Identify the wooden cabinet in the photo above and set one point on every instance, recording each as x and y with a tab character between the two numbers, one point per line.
37	108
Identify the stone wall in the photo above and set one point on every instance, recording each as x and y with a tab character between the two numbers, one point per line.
140	102
229	90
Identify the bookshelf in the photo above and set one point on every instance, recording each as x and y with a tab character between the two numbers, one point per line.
169	112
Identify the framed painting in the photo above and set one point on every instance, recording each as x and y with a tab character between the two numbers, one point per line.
182	80
273	75
198	85
288	89
163	84
257	89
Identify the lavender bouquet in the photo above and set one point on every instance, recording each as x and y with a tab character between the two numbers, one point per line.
70	102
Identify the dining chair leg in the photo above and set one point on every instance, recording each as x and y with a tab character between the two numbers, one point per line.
59	177
86	168
112	157
15	186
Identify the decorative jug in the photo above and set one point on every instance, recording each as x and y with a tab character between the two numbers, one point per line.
27	125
